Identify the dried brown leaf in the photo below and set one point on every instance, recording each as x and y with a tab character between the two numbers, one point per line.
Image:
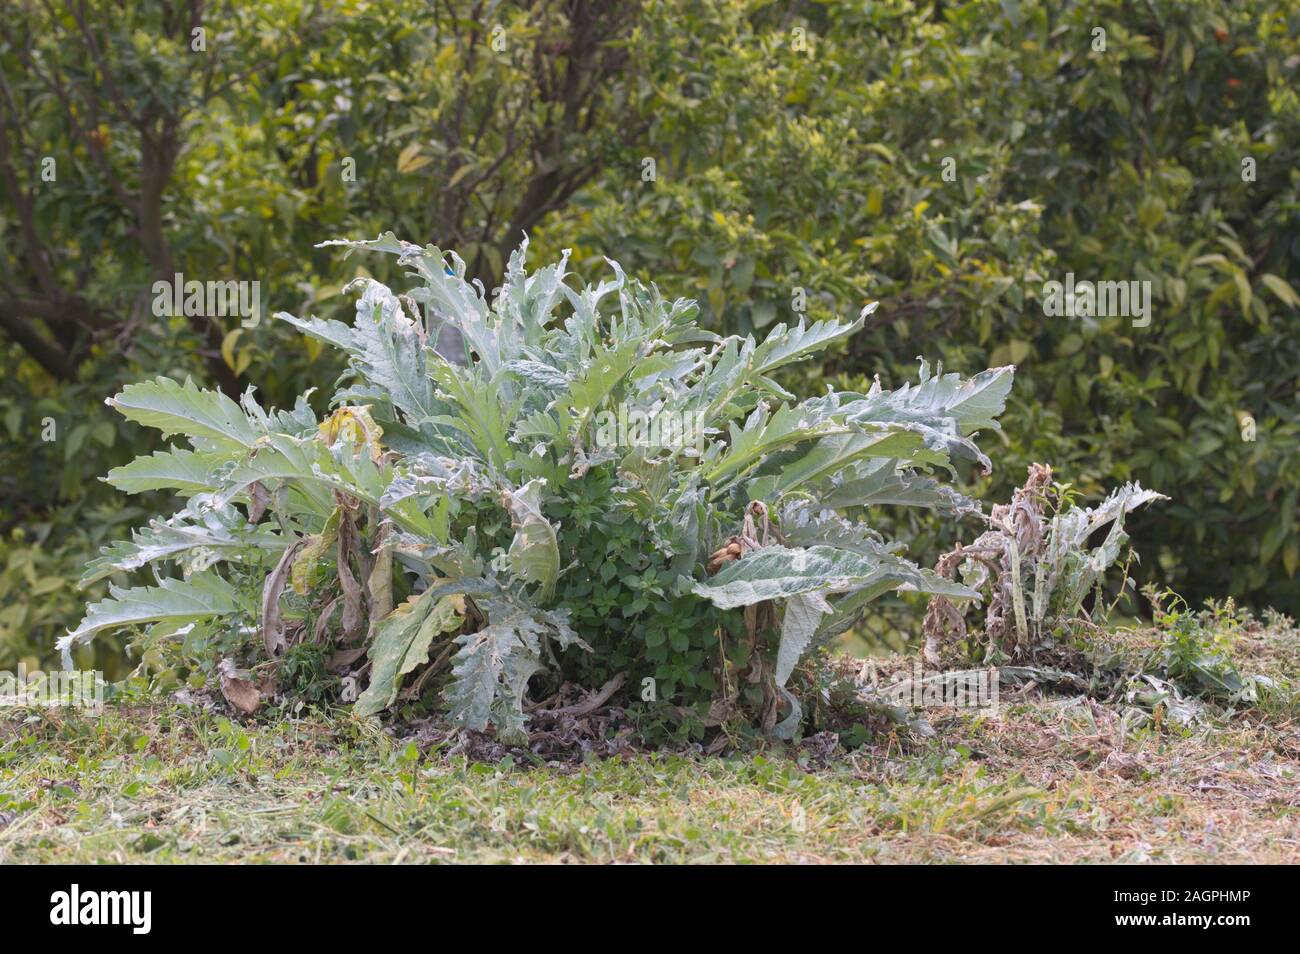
272	623
353	598
239	692
259	498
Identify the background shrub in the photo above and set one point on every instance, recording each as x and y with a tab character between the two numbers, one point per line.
782	161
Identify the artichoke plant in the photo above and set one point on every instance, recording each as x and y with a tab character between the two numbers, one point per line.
597	488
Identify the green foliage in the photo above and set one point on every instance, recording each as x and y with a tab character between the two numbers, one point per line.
1197	648
38	591
463	476
823	171
624	601
819	169
303	674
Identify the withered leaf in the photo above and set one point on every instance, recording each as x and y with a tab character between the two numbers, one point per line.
239	692
258	500
272	623
344	658
353	609
380	581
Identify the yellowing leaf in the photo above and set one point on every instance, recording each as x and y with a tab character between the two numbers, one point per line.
460	173
228	348
410	158
305	562
1280	288
1243	290
353	425
875	200
1291	556
881	150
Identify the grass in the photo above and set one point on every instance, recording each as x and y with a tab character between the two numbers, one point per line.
1050	778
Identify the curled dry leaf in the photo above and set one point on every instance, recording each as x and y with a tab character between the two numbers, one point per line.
259	498
272	623
731	551
341	660
353	609
321	631
380	582
239	691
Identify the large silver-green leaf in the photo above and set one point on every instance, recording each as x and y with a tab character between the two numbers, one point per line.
765	434
526	302
720	393
491	673
880	483
604	372
186	472
200	538
974	403
784	345
209	418
387	348
1078	524
478	411
1068	570
492	668
202	596
401	643
943	408
775	573
803	614
829	456
449	297
534	553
